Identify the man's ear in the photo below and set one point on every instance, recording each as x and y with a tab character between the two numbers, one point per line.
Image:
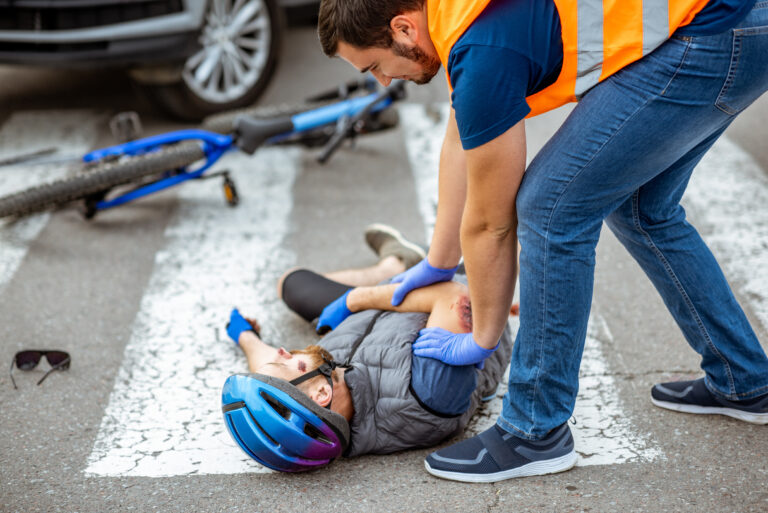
405	28
322	395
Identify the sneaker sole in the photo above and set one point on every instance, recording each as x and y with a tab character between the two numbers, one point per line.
534	468
398	237
752	418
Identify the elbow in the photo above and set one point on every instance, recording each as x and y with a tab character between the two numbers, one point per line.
498	230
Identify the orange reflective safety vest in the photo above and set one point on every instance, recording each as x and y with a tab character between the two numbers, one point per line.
599	38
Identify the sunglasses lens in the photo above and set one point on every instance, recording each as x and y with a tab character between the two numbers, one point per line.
26	360
56	357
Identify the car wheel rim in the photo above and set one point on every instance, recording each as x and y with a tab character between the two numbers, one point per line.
235	45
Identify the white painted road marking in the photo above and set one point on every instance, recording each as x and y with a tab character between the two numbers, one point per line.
24	132
423	130
164	414
728	198
603	433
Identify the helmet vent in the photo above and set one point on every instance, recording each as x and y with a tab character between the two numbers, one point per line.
313	432
281	409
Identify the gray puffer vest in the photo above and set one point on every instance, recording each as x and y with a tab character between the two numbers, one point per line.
387	416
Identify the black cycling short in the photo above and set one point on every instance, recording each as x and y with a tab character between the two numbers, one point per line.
307	293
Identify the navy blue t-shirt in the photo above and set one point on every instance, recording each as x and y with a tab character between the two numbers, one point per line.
500	60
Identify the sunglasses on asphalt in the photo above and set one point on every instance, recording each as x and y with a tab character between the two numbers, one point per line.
28	360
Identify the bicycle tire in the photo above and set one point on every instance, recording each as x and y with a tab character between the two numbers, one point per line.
100	177
223	123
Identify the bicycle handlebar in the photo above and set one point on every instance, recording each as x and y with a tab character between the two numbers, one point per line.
250	133
346	126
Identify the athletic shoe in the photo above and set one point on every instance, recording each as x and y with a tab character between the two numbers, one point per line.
387	241
495	455
695	397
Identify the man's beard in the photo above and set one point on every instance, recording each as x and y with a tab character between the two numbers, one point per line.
430	65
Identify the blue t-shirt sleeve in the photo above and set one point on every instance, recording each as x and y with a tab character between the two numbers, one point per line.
490	85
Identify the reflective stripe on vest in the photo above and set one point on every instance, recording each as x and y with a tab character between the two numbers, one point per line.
600	37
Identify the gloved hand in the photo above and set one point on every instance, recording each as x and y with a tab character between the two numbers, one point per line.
333	314
237	325
451	348
420	275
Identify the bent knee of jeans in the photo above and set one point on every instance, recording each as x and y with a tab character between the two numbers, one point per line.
620	220
529	204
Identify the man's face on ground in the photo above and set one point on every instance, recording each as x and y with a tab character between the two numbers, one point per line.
400	61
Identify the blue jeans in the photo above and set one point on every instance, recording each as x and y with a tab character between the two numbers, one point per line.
625	156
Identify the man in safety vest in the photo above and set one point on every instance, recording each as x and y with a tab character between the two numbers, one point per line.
657	81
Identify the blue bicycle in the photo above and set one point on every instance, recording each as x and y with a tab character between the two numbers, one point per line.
156	163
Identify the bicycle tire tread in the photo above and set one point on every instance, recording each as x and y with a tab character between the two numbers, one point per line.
223	123
100	178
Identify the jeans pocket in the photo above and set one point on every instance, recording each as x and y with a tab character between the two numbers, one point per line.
747	76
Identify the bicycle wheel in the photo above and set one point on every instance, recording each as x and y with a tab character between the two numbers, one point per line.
101	177
223	123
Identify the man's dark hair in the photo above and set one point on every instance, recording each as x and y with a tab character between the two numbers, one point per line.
360	23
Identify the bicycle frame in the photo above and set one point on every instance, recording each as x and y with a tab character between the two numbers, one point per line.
249	134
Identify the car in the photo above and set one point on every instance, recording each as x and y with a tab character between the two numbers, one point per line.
193	57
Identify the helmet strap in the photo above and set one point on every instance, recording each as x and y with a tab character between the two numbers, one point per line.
326	369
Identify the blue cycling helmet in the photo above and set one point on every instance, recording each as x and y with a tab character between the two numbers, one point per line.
279	426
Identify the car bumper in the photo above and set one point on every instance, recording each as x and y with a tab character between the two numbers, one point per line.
159	38
168	48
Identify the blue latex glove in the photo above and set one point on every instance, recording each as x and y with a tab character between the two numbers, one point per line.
237	325
333	314
420	275
451	348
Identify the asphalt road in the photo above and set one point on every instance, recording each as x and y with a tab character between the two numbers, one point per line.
127	291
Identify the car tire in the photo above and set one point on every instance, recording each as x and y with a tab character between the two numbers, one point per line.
208	81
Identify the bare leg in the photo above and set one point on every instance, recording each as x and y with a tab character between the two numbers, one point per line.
367	276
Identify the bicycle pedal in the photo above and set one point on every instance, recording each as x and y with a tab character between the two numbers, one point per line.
125	126
230	191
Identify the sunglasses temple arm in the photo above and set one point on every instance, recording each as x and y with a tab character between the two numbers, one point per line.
55	367
11	373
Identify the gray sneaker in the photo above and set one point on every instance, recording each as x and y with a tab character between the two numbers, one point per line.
386	241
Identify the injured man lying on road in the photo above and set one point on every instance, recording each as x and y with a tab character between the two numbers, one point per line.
361	389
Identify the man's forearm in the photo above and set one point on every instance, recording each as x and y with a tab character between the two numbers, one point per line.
491	262
489	231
